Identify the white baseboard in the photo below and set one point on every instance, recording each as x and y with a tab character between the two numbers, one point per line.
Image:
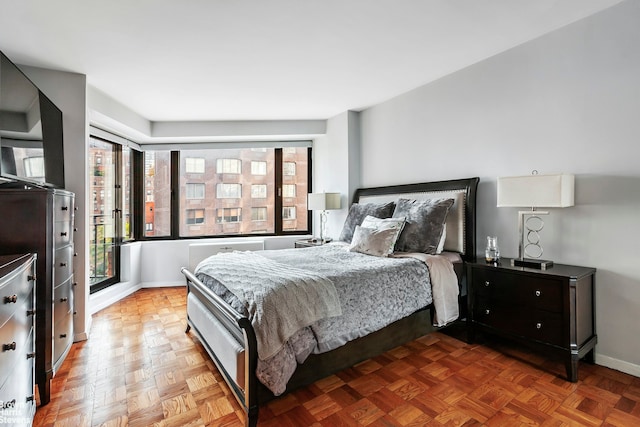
162	284
618	365
114	293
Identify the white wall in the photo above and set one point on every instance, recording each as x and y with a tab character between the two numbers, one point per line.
68	92
566	102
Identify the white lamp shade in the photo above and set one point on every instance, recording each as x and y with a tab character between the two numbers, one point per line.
323	201
536	191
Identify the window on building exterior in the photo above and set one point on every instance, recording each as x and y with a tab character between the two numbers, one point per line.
194	165
259	214
229	215
289	168
258	168
288	212
288	190
228	191
229	166
195	216
258	191
195	191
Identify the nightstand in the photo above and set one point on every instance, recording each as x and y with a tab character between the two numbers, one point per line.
308	243
552	310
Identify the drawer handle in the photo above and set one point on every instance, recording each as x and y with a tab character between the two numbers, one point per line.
487	283
539	325
11	300
64	299
63	264
63	335
8	347
63	234
31	355
31	312
487	311
9	404
30	398
31	278
538	293
65	208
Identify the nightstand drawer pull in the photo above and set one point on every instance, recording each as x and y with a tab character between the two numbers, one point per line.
63	234
64	299
63	264
487	283
7	347
538	325
12	299
487	311
538	293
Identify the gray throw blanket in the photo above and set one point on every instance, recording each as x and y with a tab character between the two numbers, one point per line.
280	299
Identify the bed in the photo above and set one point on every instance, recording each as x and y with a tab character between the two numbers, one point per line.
227	329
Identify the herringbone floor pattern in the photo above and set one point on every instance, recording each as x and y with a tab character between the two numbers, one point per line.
139	368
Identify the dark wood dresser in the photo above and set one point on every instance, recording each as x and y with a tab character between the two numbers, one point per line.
553	310
41	221
17	361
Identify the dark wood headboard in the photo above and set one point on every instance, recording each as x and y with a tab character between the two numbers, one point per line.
461	221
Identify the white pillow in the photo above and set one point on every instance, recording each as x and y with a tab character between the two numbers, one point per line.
373	241
396	224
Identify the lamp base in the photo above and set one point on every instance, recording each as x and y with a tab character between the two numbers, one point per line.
539	264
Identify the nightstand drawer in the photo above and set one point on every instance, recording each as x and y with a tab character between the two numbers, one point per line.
539	325
515	289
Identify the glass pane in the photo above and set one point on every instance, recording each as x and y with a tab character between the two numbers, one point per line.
102	232
231	187
127	194
157	192
294	189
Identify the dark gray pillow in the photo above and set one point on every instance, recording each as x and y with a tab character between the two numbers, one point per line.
357	213
425	221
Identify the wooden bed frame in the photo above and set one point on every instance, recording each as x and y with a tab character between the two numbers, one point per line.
252	393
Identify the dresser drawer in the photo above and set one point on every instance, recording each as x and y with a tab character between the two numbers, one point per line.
14	336
15	290
63	265
62	233
63	208
17	392
525	322
519	290
62	336
63	299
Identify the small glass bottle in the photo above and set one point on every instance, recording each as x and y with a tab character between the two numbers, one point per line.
492	252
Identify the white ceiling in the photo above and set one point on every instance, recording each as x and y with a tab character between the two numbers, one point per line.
186	60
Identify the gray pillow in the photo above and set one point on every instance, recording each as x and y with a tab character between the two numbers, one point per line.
373	241
357	213
424	225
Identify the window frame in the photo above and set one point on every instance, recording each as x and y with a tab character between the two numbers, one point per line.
175	199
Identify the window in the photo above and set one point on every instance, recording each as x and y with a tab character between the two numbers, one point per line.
34	167
289	190
111	216
172	187
195	191
229	166
289	168
194	165
228	191
259	214
259	191
258	168
228	215
157	204
288	212
195	216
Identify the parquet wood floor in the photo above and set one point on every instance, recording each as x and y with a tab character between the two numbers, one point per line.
139	368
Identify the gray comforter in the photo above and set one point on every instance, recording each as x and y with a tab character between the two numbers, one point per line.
373	292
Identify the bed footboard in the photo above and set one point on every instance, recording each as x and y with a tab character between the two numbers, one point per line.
240	328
